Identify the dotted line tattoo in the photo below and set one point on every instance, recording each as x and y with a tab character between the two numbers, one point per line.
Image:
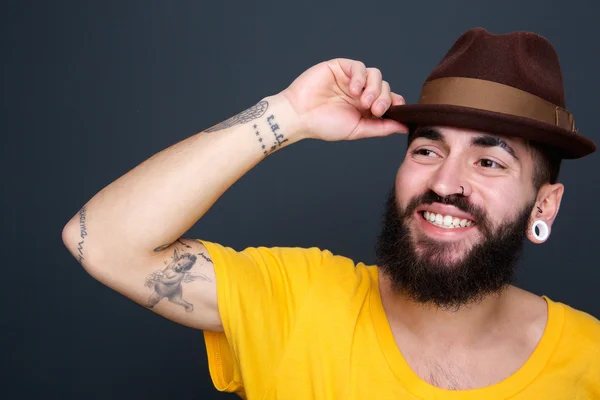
260	139
277	135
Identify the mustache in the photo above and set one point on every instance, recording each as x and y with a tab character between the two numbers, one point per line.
457	200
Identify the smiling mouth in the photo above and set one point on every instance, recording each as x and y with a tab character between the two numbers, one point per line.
446	221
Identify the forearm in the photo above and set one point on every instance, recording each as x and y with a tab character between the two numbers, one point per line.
158	201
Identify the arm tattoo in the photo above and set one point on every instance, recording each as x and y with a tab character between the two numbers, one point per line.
83	233
161	248
167	283
278	136
183	244
165	246
205	257
248	115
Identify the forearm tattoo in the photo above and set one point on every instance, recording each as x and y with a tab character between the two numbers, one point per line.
248	115
278	137
83	233
266	144
182	267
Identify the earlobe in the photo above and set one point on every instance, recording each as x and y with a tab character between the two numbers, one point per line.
539	231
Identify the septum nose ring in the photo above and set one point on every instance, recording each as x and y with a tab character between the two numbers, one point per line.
447	198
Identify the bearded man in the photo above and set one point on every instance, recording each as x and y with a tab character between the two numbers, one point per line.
438	317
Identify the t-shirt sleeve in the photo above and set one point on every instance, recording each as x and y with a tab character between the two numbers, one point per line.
260	291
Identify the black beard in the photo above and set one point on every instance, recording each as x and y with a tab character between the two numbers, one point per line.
426	277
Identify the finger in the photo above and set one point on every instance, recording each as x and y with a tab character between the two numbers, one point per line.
377	127
383	102
357	72
398	100
372	88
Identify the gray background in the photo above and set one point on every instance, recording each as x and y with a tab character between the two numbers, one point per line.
91	89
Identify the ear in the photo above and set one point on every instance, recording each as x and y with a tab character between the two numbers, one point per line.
548	202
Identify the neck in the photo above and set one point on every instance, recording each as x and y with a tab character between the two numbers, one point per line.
463	326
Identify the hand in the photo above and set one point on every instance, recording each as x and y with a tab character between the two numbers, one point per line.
338	100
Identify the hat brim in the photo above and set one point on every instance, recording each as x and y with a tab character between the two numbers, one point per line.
570	145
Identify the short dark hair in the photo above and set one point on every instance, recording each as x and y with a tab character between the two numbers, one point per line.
547	161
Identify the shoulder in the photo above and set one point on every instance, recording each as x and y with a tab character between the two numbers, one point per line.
307	264
329	273
580	327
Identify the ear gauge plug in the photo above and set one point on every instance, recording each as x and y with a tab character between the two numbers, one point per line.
540	230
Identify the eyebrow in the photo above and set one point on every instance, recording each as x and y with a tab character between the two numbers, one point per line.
478	141
493	141
426	133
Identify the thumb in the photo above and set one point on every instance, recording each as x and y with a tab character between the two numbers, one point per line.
377	127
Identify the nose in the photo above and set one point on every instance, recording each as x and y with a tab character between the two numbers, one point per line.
450	178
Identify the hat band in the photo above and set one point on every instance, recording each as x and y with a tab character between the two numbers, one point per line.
495	97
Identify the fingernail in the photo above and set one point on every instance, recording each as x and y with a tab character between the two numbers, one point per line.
356	88
369	99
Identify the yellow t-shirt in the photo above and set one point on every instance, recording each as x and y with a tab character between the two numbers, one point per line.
306	324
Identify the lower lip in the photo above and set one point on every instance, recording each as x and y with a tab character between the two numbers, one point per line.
437	231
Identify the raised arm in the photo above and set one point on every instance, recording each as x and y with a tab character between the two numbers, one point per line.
132	228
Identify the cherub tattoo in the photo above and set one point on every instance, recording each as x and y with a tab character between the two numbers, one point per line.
167	282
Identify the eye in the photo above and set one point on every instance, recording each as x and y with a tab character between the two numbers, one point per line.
424	152
487	163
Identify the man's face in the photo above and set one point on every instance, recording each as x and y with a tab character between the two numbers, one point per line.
446	247
495	172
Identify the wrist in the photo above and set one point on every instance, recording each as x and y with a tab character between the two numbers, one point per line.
283	119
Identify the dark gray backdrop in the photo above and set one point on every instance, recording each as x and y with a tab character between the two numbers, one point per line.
91	89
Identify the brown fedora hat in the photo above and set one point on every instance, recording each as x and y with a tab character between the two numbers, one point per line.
508	84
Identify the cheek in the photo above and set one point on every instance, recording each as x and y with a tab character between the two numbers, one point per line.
502	202
410	182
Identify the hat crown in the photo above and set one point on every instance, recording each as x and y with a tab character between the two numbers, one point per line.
524	60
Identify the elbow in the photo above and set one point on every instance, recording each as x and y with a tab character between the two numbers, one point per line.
87	253
74	239
70	237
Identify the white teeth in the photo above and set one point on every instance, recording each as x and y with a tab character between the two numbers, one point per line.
446	221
